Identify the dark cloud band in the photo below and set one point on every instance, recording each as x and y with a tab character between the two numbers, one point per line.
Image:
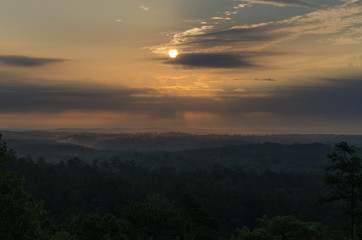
23	61
210	60
337	99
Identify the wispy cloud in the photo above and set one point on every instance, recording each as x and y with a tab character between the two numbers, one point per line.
340	21
221	18
240	6
285	3
179	38
23	61
182	38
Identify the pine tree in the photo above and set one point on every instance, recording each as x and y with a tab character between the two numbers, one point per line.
344	181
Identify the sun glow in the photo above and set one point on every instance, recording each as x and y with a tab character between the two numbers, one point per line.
173	53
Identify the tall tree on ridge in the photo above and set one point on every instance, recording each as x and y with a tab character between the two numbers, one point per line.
344	180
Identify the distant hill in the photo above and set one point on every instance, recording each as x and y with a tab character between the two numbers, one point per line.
167	141
281	153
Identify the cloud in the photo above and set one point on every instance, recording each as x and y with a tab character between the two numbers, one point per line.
61	97
284	3
339	24
19	97
144	8
23	61
265	79
243	38
229	13
206	38
240	6
336	99
179	38
221	18
210	60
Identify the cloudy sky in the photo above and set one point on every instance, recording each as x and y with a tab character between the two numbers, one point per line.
248	66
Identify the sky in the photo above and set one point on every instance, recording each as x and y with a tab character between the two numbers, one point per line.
252	66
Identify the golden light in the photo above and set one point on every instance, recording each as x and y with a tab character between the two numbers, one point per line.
173	53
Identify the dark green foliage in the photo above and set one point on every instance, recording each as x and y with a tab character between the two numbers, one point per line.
121	198
96	227
61	235
4	155
344	182
195	213
232	196
19	213
198	221
283	228
155	218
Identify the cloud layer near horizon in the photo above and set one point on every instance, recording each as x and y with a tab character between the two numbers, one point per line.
329	101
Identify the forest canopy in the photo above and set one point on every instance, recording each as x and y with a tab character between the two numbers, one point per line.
139	196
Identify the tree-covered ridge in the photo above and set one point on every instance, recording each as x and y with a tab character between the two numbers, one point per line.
257	156
56	146
121	199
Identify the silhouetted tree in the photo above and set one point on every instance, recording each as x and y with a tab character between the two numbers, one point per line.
344	180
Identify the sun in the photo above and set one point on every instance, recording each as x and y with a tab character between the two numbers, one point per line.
173	53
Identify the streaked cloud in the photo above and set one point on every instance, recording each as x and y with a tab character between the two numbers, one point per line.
178	38
284	3
221	18
24	61
340	21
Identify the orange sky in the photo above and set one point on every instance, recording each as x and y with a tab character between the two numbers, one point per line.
253	65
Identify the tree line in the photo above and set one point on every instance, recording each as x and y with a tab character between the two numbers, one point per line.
118	199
